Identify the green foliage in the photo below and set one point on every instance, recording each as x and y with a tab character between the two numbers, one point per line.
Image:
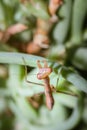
38	9
68	47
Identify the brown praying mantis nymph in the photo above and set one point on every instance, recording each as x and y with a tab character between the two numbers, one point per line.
43	74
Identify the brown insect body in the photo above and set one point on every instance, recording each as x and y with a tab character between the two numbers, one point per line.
48	94
44	74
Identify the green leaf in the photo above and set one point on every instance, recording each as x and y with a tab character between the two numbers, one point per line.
74	78
2	18
79	13
38	9
67	124
17	58
80	58
61	29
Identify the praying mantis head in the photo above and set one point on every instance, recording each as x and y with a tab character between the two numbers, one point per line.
44	71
